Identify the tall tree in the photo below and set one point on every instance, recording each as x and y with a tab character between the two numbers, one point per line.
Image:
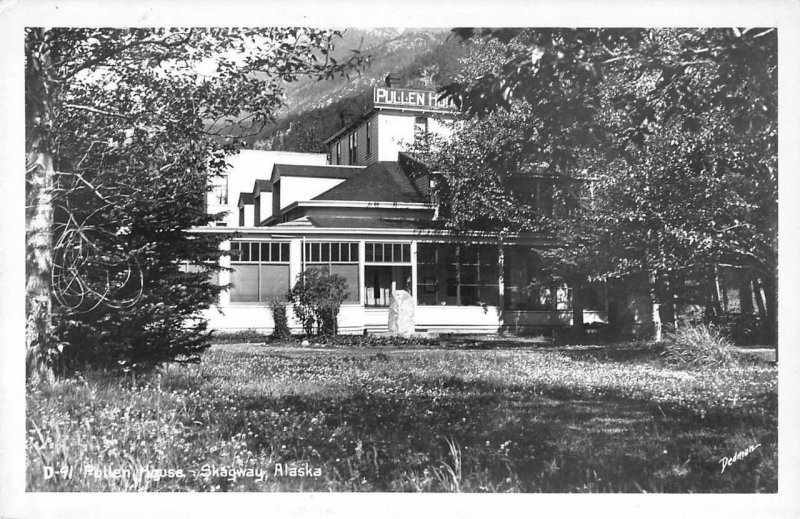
124	129
677	126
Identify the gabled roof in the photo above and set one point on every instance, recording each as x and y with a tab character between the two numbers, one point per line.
245	198
262	186
299	170
379	182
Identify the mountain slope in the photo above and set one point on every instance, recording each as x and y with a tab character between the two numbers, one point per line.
423	58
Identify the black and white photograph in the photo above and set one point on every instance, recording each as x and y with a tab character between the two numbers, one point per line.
299	256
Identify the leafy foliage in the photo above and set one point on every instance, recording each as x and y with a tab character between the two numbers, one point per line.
699	346
668	136
316	298
280	321
137	121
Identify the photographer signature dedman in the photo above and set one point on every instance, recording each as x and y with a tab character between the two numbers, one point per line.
739	456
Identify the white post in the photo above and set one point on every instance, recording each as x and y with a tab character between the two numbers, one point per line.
225	275
295	260
501	293
362	282
414	271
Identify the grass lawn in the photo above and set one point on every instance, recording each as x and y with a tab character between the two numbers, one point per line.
517	417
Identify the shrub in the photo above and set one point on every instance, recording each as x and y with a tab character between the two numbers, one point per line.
243	336
699	345
316	298
280	320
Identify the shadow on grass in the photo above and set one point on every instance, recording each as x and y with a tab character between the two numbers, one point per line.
508	439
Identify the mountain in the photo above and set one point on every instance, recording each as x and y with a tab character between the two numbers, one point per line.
420	58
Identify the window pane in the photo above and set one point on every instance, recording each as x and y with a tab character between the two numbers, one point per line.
335	251
274	282
274	252
326	251
369	252
245	246
284	252
378	252
244	284
406	252
255	249
350	274
354	252
315	247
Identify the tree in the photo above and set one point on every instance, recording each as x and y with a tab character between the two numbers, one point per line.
677	126
316	298
124	128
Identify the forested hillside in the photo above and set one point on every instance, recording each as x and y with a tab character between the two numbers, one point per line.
420	58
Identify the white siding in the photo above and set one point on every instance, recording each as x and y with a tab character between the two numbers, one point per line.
250	165
295	189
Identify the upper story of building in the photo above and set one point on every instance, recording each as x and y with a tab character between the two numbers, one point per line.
394	119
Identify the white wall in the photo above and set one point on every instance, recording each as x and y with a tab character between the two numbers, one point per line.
250	165
395	132
294	189
248	214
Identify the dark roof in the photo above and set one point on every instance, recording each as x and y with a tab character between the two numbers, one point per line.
299	170
379	182
262	186
245	198
371	222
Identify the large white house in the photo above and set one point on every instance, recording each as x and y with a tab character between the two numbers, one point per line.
364	211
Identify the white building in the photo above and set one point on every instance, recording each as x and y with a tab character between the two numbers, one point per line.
365	212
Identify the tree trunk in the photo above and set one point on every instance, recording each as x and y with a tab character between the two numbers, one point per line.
667	297
745	293
655	306
716	306
771	300
762	311
39	208
577	310
39	251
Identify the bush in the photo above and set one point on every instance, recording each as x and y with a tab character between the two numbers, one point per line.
280	320
700	345
316	299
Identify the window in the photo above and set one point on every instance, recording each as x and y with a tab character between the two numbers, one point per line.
393	270
219	190
526	288
260	271
387	252
352	148
369	138
339	152
420	127
336	258
463	274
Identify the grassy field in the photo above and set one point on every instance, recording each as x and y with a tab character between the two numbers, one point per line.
513	418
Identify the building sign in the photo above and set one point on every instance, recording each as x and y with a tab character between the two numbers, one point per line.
423	99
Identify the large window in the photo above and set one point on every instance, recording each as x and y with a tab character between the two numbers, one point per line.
420	127
260	271
219	190
369	138
388	266
352	148
457	274
336	258
525	286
